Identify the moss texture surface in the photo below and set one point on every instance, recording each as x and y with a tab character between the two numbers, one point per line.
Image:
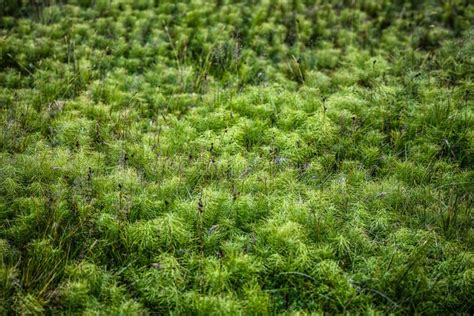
251	157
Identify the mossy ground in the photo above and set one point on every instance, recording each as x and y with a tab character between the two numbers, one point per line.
226	158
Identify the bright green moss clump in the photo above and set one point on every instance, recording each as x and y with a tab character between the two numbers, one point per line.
236	157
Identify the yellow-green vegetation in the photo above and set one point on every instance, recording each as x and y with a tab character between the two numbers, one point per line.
236	157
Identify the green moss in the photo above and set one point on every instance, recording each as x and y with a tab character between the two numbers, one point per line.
236	158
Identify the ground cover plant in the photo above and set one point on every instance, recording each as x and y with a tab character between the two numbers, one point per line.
236	157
